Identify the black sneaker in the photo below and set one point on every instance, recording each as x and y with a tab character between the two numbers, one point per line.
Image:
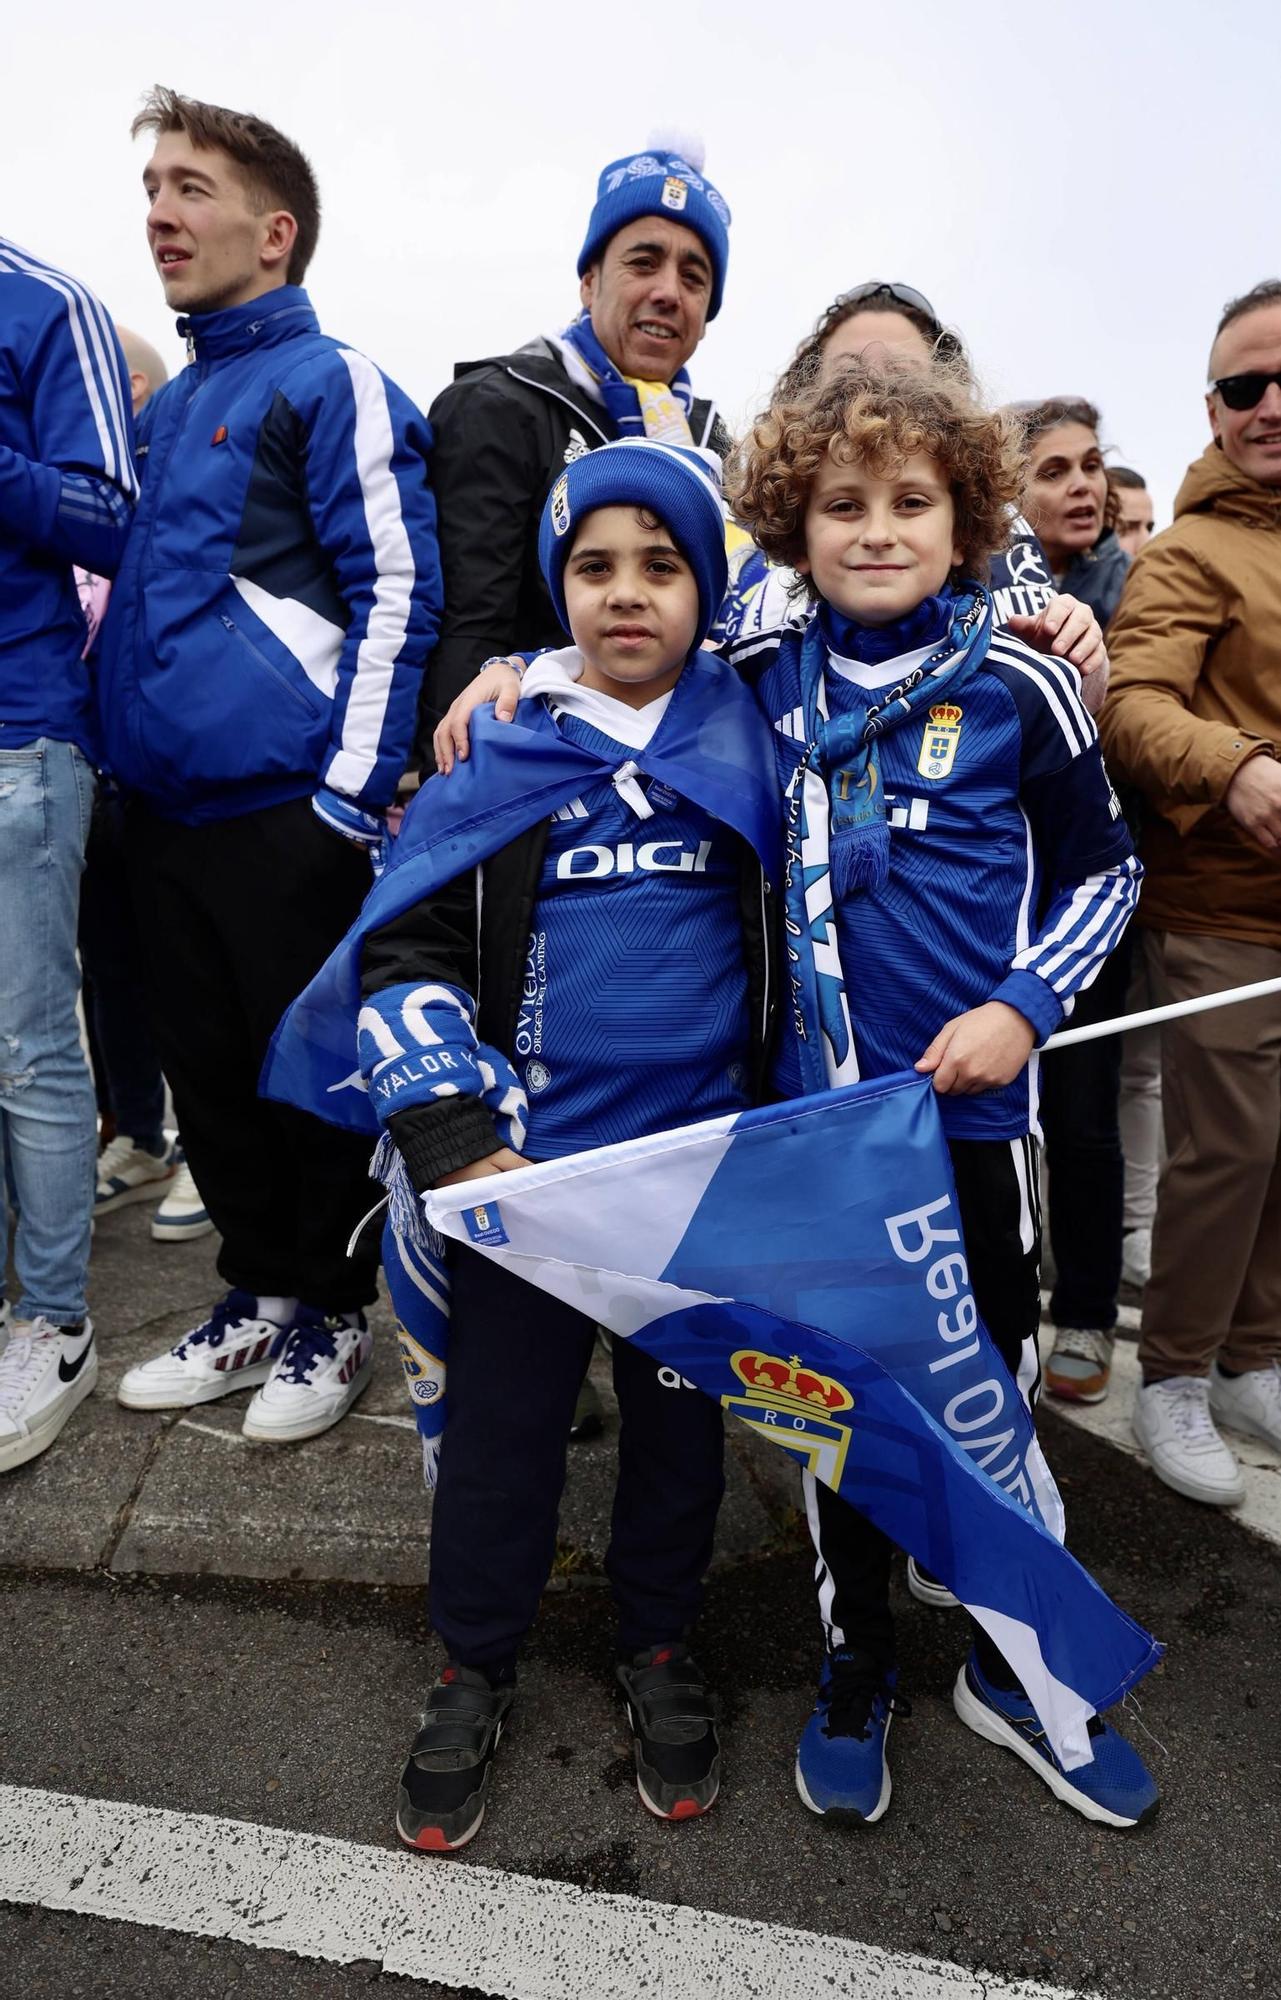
441	1801
673	1720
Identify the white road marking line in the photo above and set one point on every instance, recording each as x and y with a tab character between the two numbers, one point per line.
512	1936
211	1431
238	1437
1110	1420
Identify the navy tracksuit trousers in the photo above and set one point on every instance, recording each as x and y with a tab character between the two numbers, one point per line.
517	1358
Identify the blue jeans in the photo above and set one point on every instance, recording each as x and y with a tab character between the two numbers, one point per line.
47	1112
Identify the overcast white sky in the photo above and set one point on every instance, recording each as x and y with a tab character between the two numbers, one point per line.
1077	187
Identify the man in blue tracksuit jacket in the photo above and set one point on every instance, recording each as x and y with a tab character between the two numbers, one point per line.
67	488
259	677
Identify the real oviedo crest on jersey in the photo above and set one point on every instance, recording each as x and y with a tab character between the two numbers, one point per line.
938	744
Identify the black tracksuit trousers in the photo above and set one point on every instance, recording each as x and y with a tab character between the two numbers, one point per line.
517	1358
236	916
996	1185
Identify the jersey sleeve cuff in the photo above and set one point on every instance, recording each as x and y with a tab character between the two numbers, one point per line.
438	1139
1038	1003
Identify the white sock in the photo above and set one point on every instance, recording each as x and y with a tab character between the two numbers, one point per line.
279	1311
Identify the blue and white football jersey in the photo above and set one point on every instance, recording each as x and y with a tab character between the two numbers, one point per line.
635	1009
1011	870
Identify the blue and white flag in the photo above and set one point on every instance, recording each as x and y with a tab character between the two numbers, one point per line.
804	1264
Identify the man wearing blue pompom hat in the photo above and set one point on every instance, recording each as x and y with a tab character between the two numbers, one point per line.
651	274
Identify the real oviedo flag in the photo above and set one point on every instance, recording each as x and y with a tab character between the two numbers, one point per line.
804	1264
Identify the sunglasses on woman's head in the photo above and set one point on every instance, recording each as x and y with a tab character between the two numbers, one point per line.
1245	392
946	345
883	288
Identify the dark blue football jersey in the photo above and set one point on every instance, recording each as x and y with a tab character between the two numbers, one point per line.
1011	870
635	1011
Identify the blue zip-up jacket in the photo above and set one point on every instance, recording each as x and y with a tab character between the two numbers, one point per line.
67	488
280	591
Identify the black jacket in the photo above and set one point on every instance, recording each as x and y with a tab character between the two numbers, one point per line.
442	939
504	430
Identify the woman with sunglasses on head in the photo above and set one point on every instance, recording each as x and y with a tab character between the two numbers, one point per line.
886	316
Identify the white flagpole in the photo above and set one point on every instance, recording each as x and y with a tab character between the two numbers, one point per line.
1230	997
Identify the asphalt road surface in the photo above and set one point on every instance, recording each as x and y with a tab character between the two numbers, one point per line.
198	1773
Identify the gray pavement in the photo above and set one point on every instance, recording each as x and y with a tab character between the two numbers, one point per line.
185	1493
201	1624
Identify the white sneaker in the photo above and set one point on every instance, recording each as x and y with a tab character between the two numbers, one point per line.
182	1214
1250	1403
1136	1257
128	1172
929	1589
231	1350
324	1365
44	1373
1173	1425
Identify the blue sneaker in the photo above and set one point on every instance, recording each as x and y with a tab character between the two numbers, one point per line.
841	1767
1116	1789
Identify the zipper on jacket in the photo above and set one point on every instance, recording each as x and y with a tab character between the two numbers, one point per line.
256	653
556	396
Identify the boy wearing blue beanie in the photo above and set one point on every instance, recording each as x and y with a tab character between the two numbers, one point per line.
603	974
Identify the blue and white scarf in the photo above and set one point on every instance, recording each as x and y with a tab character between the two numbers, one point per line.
638	409
837	836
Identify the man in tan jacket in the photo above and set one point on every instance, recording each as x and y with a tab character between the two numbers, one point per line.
1194	721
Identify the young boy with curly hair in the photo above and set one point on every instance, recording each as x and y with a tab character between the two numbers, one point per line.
957	870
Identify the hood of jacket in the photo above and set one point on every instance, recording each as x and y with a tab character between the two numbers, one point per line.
1213	485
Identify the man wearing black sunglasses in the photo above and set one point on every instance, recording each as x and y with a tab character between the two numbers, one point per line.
1194	720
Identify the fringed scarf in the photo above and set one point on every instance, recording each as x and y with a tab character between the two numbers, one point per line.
837	836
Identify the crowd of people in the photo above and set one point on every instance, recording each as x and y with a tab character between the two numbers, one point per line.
245	611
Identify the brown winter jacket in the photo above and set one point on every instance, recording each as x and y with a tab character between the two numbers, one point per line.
1196	689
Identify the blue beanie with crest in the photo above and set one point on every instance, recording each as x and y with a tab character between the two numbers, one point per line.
666	179
679	484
